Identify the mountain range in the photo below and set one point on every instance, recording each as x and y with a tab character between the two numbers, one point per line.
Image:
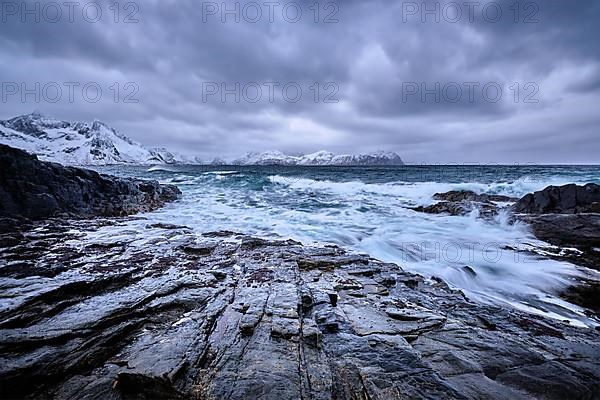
320	158
96	143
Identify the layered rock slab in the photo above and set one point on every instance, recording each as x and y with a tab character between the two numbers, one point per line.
252	318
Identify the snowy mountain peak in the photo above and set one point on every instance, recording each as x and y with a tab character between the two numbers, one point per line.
98	125
272	157
76	143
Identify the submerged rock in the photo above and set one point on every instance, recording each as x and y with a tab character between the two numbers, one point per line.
263	319
463	202
467	195
34	189
459	208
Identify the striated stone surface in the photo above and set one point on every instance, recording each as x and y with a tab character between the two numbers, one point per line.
166	314
34	189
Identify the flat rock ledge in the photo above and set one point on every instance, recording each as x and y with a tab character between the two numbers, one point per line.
34	189
163	313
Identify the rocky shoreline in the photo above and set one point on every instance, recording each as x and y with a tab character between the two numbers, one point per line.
164	313
168	314
34	189
564	216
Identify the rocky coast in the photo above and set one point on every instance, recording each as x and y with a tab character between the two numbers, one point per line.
92	310
33	189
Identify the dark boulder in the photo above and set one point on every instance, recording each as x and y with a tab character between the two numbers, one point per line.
34	189
568	230
459	208
462	202
567	199
567	216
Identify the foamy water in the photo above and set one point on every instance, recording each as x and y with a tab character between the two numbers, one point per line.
366	210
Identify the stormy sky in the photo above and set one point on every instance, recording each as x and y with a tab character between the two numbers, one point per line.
437	82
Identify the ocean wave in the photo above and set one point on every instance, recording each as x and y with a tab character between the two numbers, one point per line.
419	191
162	168
222	173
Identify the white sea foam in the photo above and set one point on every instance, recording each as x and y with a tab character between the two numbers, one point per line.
161	168
221	172
420	190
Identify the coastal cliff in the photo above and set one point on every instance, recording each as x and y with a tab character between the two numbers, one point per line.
34	189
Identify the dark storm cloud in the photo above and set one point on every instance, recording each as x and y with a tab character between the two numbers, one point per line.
377	61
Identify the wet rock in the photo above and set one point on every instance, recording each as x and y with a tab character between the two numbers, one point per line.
333	298
253	322
568	217
326	263
578	230
306	301
33	189
311	335
467	195
203	249
567	199
585	294
219	234
220	275
470	271
457	209
167	226
463	202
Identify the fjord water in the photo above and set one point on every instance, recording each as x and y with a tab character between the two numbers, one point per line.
367	210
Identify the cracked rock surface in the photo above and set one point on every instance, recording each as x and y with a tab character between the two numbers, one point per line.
164	313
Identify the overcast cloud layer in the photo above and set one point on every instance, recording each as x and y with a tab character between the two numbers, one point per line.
370	67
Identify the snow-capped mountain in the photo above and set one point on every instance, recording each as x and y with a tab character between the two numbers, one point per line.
95	143
328	158
78	143
266	158
320	158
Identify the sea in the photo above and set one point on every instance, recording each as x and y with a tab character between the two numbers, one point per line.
367	210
